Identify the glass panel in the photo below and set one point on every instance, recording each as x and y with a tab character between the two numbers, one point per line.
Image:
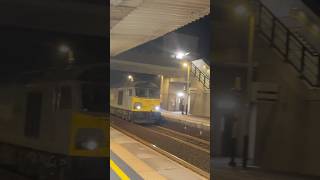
94	97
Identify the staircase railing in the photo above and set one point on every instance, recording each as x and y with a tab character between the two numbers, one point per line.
295	52
200	76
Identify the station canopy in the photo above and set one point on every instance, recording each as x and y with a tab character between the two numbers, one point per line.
134	22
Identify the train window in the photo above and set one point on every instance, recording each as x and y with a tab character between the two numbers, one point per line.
33	114
141	92
94	98
120	97
130	92
154	93
65	97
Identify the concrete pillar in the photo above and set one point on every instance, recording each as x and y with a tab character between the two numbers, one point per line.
164	92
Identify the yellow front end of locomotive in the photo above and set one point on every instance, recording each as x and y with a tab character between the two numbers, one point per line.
89	135
145	104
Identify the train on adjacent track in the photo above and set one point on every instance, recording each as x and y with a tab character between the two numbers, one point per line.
137	102
54	124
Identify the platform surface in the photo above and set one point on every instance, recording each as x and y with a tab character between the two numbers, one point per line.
178	116
133	160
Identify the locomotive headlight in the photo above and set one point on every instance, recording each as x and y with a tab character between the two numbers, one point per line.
137	106
89	139
91	145
87	144
157	108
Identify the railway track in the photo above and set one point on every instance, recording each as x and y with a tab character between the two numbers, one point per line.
191	141
191	149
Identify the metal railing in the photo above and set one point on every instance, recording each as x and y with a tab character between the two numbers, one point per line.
200	76
305	60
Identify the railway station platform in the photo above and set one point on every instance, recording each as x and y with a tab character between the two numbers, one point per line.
130	159
195	121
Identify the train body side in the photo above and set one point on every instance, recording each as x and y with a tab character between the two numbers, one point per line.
46	123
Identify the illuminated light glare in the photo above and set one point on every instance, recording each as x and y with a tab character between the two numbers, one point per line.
241	10
185	64
64	48
181	55
138	107
227	104
157	108
154	145
180	94
130	77
91	145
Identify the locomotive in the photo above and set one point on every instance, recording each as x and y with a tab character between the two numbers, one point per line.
137	102
54	124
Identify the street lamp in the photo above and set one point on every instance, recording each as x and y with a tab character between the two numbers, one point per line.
180	55
180	94
130	77
248	11
66	49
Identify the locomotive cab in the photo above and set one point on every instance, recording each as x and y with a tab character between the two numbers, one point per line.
139	102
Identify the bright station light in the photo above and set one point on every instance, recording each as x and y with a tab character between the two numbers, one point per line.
180	94
64	48
181	55
130	77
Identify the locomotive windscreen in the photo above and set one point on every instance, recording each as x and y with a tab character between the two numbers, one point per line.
94	97
148	93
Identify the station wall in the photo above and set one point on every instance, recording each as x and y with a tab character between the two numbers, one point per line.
287	130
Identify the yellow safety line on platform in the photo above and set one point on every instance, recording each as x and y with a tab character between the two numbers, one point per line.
118	171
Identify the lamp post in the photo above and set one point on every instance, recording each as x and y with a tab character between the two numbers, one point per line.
187	65
180	56
249	12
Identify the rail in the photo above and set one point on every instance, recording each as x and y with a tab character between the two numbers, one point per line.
304	59
200	76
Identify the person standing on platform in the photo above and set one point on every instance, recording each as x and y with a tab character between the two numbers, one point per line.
181	106
233	144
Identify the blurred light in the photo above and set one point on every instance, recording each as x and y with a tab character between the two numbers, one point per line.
157	108
64	48
138	107
181	55
180	94
241	10
227	104
91	145
130	77
185	64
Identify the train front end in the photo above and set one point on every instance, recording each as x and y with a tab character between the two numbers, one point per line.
145	110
